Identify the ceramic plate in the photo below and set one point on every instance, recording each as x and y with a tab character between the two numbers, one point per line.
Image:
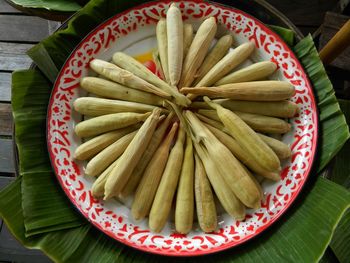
133	32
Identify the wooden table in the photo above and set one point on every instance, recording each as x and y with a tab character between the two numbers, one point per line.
19	32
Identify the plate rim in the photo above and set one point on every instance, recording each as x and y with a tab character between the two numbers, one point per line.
224	246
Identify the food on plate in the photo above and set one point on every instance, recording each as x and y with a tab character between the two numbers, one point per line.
197	137
226	64
272	90
281	149
197	50
90	106
215	55
91	147
162	41
281	109
232	205
185	192
108	122
242	155
247	138
188	37
232	171
147	156
104	158
168	183
128	160
259	123
256	71
175	34
205	204
98	187
147	188
124	77
129	63
108	89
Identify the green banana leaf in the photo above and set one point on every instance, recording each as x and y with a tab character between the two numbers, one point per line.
296	237
341	175
52	5
39	187
287	34
333	129
340	242
341	169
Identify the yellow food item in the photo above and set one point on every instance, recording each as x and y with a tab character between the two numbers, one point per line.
128	160
149	183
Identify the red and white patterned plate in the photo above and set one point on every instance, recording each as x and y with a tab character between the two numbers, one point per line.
133	32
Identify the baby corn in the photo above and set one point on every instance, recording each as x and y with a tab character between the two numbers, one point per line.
128	160
215	55
175	34
241	155
112	90
281	149
142	164
90	106
229	167
102	160
253	72
271	90
257	184
129	63
185	195
91	147
125	77
188	37
149	183
257	122
162	42
166	190
281	109
98	187
218	125
156	60
227	198
247	138
108	122
198	50
206	210
226	64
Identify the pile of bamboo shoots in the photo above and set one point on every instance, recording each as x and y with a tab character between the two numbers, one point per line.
203	136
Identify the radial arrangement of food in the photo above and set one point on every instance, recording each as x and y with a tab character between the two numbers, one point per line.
206	129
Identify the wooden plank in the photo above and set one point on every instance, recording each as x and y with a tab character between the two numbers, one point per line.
22	28
6	8
304	13
13	56
53	26
5	86
6	156
12	251
6	119
332	23
334	20
5	180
